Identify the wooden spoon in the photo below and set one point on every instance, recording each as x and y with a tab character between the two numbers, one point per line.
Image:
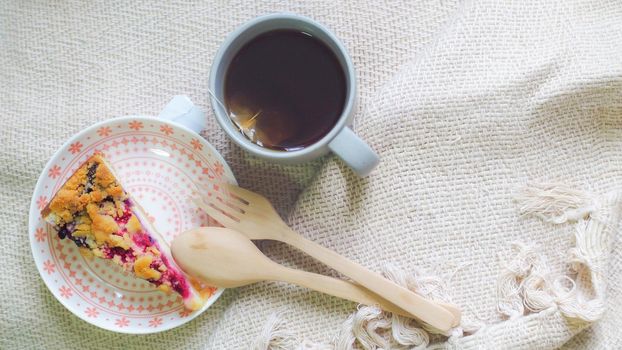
226	258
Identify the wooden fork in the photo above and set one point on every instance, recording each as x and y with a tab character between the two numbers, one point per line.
254	216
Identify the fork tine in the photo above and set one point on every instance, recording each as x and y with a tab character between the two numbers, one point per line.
254	202
225	206
217	214
216	203
243	194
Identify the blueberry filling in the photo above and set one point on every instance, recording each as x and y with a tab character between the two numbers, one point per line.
63	232
142	240
123	219
90	176
176	284
66	230
124	255
80	241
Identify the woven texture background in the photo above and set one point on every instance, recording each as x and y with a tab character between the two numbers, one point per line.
464	102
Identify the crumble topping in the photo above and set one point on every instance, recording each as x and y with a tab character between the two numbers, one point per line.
133	225
142	268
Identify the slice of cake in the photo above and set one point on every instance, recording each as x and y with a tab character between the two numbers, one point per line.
100	217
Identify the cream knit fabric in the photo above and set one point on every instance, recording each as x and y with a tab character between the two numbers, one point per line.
466	103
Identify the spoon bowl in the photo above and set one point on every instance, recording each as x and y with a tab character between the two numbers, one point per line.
222	257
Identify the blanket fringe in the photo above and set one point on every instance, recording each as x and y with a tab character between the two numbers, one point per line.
525	285
275	335
370	327
554	202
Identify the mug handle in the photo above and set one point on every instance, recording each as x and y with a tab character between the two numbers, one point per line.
354	152
181	110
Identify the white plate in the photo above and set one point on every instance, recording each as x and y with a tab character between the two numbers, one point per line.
161	164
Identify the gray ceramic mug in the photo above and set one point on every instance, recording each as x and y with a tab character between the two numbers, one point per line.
340	140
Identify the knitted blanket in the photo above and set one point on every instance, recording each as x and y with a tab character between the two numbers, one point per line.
499	128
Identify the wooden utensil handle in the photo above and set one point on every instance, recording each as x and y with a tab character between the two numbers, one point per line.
336	287
425	310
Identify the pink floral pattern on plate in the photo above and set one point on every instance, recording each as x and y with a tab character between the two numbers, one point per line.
162	165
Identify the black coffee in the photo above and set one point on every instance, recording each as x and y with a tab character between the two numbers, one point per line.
285	89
